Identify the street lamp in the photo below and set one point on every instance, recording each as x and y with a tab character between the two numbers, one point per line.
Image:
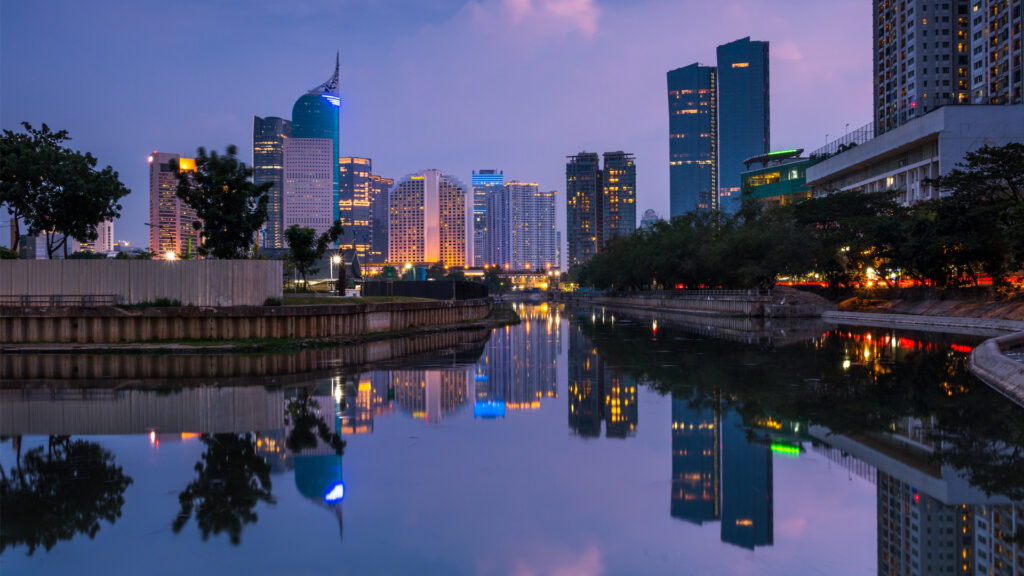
335	260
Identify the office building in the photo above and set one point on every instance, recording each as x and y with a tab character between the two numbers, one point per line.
583	191
618	202
355	180
693	139
380	190
311	169
520	227
743	113
649	219
103	243
427	220
902	159
776	179
268	138
696	460
171	220
484	182
747	485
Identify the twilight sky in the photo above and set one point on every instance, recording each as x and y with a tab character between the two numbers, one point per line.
449	84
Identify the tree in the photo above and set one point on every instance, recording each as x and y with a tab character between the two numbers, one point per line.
55	493
229	206
494	281
305	248
54	189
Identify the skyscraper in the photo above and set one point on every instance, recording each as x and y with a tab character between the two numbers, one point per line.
427	220
311	170
747	488
922	57
520	227
693	139
618	202
696	460
268	137
484	182
171	220
743	113
996	51
354	189
380	190
584	222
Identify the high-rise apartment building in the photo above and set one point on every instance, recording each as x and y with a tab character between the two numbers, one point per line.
520	227
618	202
583	191
743	113
268	137
427	220
311	169
380	190
171	220
484	182
103	243
693	139
996	37
354	190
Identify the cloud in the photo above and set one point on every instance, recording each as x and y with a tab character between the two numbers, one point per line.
587	563
547	16
786	50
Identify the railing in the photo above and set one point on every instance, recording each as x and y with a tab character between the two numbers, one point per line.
59	300
851	139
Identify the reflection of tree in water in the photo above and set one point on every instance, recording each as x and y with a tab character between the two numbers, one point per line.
308	425
57	491
232	479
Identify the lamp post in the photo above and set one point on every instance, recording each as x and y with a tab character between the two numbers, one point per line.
335	260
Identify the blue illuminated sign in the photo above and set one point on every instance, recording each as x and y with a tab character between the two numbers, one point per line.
336	493
332	99
489	410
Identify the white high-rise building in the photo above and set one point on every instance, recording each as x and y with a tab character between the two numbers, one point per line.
427	220
171	220
104	240
520	227
309	167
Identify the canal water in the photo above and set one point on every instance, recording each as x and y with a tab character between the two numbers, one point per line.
580	442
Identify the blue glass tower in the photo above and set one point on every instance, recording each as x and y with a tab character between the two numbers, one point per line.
315	115
747	486
693	139
484	182
743	113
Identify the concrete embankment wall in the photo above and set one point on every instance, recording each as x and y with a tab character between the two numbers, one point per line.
1006	375
192	282
112	325
710	302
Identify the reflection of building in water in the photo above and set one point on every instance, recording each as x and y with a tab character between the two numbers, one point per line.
430	394
747	519
519	367
696	462
365	397
598	393
918	534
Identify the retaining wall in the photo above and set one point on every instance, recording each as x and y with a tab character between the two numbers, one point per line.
710	302
192	282
1006	375
113	325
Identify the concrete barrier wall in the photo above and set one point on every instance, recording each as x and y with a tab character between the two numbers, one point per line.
730	305
193	282
998	370
118	325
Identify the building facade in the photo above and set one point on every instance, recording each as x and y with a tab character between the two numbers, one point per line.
311	169
520	227
268	138
903	159
693	139
933	53
171	220
583	191
354	190
427	220
484	182
649	219
744	124
618	202
103	243
380	190
776	179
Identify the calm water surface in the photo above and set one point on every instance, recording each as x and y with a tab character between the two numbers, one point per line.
581	442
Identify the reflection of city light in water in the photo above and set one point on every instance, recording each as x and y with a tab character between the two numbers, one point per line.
336	493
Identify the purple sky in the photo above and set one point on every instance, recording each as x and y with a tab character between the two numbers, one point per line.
448	84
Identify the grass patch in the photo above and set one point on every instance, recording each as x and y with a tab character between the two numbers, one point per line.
317	300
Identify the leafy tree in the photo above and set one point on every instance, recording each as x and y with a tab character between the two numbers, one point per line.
305	248
54	189
231	479
8	254
55	493
230	207
495	283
